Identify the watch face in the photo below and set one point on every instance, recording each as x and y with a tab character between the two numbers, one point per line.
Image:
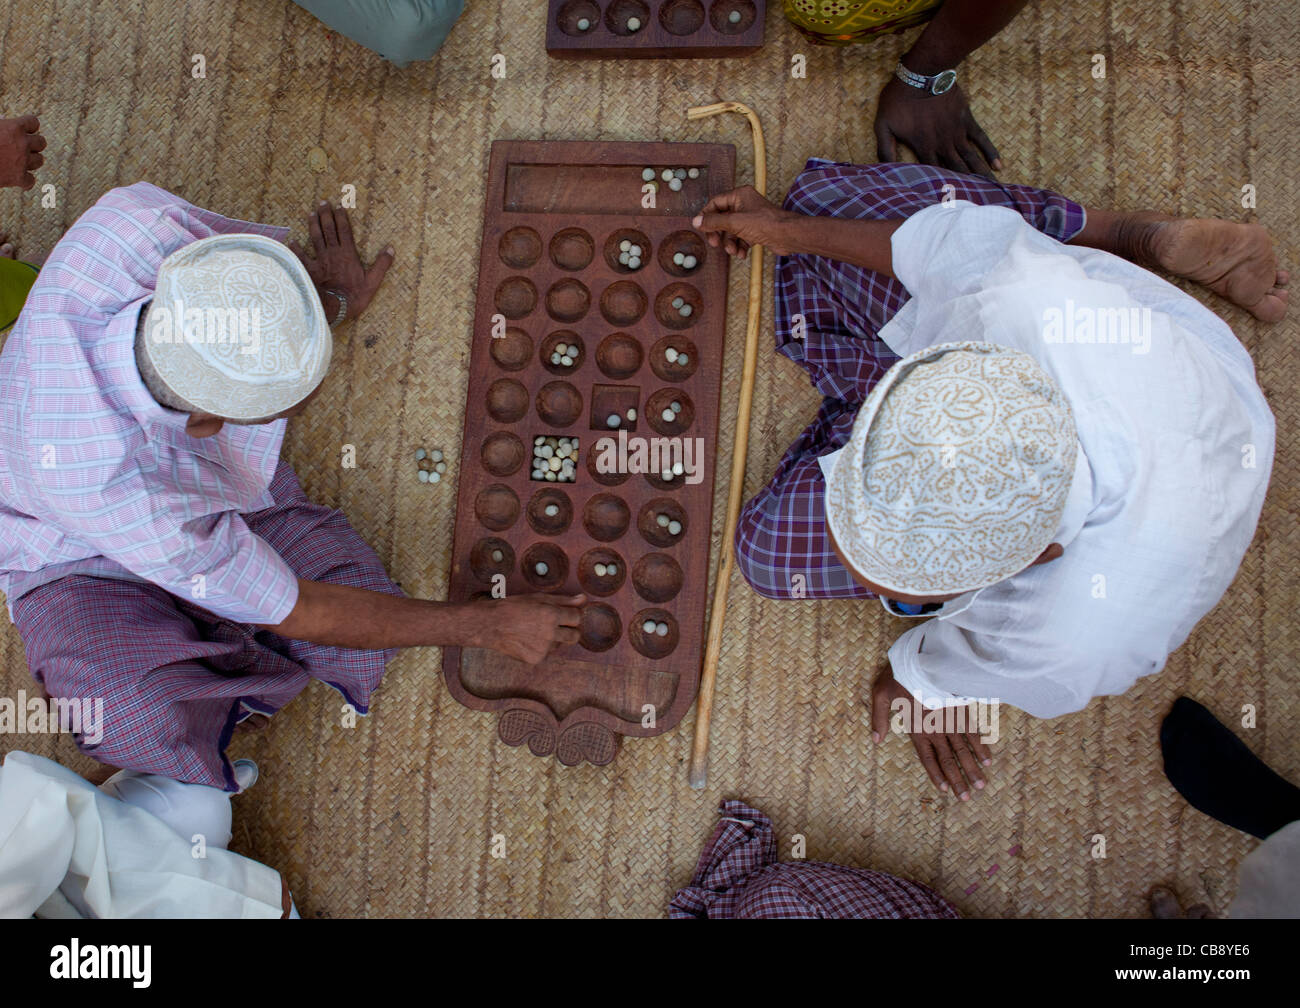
943	82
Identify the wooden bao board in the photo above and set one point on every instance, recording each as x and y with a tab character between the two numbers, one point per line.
549	273
669	28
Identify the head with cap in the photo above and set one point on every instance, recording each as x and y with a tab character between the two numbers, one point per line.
235	333
956	475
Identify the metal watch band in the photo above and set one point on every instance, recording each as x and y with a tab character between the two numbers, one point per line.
343	307
935	84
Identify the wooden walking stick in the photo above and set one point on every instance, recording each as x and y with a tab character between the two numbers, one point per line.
699	769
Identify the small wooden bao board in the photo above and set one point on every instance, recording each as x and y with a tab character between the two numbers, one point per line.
669	28
549	273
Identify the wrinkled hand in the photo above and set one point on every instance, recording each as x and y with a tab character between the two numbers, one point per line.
337	265
529	627
743	218
21	144
952	759
939	129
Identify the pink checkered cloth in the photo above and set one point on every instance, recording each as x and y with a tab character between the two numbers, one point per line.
176	678
739	877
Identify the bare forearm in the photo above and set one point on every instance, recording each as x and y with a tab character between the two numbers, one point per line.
864	243
343	616
960	27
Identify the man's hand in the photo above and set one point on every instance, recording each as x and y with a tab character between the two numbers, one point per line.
741	218
337	265
21	144
952	759
939	129
529	627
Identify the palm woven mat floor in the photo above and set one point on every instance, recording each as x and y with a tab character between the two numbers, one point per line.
394	817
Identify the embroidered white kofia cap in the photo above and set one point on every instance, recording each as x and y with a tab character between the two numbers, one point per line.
957	472
235	329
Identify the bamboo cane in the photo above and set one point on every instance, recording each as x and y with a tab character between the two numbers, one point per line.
699	768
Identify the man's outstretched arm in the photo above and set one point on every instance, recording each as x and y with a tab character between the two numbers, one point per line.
526	627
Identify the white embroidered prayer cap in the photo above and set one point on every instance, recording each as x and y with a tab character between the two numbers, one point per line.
235	329
957	472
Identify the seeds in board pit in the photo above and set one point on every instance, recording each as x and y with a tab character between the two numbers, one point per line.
674	528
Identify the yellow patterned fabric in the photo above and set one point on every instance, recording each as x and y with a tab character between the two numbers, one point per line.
957	472
840	22
16	279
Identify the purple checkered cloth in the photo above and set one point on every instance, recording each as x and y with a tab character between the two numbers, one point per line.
782	532
739	877
175	678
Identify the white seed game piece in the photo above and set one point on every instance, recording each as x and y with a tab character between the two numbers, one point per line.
542	569
692	173
667	475
679	469
612	420
675	406
648	175
551	510
434	477
648	626
623	257
611	569
556	358
689	262
633	24
440	467
680	173
497	556
539	441
674	528
734	17
661	629
667	175
678	302
663	521
675	185
583	24
435	455
625	245
422	476
683	360
678	258
634	262
635	251
419	455
671	354
685	311
669	416
601	570
554	463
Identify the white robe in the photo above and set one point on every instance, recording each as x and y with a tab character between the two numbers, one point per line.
68	850
1176	450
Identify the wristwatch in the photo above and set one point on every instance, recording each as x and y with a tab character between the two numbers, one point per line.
342	299
936	84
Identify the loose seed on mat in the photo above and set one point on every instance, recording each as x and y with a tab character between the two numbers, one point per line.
435	455
434	477
422	476
419	455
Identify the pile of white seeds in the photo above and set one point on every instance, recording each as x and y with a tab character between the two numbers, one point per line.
605	570
673	176
658	629
670	414
685	261
555	460
564	355
667	522
683	309
629	254
429	465
674	356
